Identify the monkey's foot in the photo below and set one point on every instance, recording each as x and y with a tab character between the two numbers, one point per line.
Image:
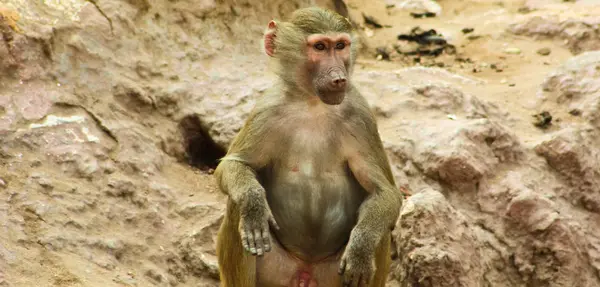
303	279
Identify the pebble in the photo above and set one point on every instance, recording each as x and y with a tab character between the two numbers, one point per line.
2	183
503	81
544	51
513	51
573	112
543	120
45	183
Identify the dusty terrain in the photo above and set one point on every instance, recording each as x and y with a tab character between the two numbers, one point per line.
112	113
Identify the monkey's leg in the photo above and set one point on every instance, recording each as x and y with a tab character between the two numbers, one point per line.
237	268
383	262
278	268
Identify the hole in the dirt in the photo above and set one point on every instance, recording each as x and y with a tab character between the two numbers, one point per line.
201	151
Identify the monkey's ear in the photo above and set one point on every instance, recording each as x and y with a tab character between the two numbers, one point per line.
270	38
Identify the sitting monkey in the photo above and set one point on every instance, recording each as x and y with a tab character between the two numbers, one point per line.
312	199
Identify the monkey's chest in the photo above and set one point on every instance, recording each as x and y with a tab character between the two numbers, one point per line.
315	201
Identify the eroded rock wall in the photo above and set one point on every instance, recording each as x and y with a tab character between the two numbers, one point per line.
104	105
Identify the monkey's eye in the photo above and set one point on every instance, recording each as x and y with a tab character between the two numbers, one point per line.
340	45
320	46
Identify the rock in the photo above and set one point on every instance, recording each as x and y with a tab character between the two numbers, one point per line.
439	94
459	156
224	115
464	157
24	55
436	243
544	51
575	112
416	6
155	275
576	85
458	152
74	141
542	120
574	154
467	30
197	250
580	34
121	187
200	210
532	210
533	223
558	4
98	191
513	51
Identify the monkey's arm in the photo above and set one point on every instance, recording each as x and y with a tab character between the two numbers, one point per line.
376	216
379	211
236	172
236	177
369	165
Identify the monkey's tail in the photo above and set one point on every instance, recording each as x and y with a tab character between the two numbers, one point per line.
236	267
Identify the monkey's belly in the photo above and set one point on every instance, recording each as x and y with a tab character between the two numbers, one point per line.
315	214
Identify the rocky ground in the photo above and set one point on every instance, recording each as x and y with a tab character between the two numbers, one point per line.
112	114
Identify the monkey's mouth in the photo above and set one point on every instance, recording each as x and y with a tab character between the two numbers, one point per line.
331	86
332	97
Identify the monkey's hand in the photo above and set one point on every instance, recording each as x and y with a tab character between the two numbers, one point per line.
358	262
255	216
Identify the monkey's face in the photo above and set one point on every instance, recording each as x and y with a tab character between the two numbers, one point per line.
328	58
323	63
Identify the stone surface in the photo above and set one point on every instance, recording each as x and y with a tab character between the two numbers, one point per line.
97	98
579	35
416	6
436	246
576	86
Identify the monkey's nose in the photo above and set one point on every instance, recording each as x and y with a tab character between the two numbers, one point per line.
338	82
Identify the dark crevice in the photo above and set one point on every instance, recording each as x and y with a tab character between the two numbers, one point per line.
201	150
110	23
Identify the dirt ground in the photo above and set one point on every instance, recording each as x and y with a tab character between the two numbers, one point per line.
112	114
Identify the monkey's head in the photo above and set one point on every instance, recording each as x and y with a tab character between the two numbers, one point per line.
315	51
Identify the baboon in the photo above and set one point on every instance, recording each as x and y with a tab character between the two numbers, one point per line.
311	197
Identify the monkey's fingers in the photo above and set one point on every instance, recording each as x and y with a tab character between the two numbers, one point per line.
273	222
347	280
266	238
365	280
342	267
258	241
357	280
251	241
244	235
